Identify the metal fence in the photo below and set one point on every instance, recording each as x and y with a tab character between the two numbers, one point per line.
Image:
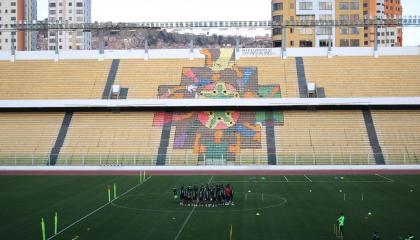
20	159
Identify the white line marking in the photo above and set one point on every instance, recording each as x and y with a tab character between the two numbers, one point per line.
97	210
307	178
388	179
185	223
189	216
262	196
315	181
246	196
285	178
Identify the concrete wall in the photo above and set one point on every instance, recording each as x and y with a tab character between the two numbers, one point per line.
185	53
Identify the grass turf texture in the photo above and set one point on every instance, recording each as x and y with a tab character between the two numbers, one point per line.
287	207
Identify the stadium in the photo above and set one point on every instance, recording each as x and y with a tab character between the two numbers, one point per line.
138	143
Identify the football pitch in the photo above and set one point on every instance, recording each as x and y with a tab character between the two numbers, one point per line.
266	207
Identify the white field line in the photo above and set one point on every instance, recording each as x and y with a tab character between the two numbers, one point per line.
388	179
97	210
307	178
314	181
285	178
189	216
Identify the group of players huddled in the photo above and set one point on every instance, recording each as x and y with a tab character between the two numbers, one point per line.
206	195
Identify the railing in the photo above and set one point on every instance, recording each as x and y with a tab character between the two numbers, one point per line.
21	159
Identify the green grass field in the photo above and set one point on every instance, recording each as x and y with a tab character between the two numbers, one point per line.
289	207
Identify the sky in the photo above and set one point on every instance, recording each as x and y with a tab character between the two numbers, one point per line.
206	10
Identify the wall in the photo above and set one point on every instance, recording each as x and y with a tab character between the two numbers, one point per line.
185	53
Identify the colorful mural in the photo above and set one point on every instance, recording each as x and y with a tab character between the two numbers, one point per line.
217	134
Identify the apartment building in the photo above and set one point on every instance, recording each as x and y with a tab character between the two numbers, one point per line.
381	9
71	11
11	12
343	10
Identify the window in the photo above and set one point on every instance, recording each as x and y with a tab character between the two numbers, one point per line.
354	17
13	4
307	17
277	44
324	31
79	11
325	6
354	5
277	6
354	30
325	17
305	6
70	4
52	12
344	5
323	43
13	11
277	31
344	17
344	43
292	43
305	31
79	4
278	18
52	5
13	18
305	43
344	30
354	43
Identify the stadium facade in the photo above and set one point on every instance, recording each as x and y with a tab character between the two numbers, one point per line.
299	10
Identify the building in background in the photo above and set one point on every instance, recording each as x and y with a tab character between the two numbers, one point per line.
12	11
345	10
380	9
72	11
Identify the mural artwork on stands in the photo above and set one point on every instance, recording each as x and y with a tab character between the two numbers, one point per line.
217	134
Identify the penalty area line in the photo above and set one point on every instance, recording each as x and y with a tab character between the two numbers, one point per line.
308	178
97	210
388	179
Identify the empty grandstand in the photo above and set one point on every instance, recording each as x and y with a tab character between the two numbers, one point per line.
211	136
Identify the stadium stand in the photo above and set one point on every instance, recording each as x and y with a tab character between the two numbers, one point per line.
275	71
126	138
86	79
142	78
399	135
94	135
28	137
221	136
365	76
331	136
68	79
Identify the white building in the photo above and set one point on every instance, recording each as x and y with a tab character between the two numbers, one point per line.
317	10
72	11
386	36
12	11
